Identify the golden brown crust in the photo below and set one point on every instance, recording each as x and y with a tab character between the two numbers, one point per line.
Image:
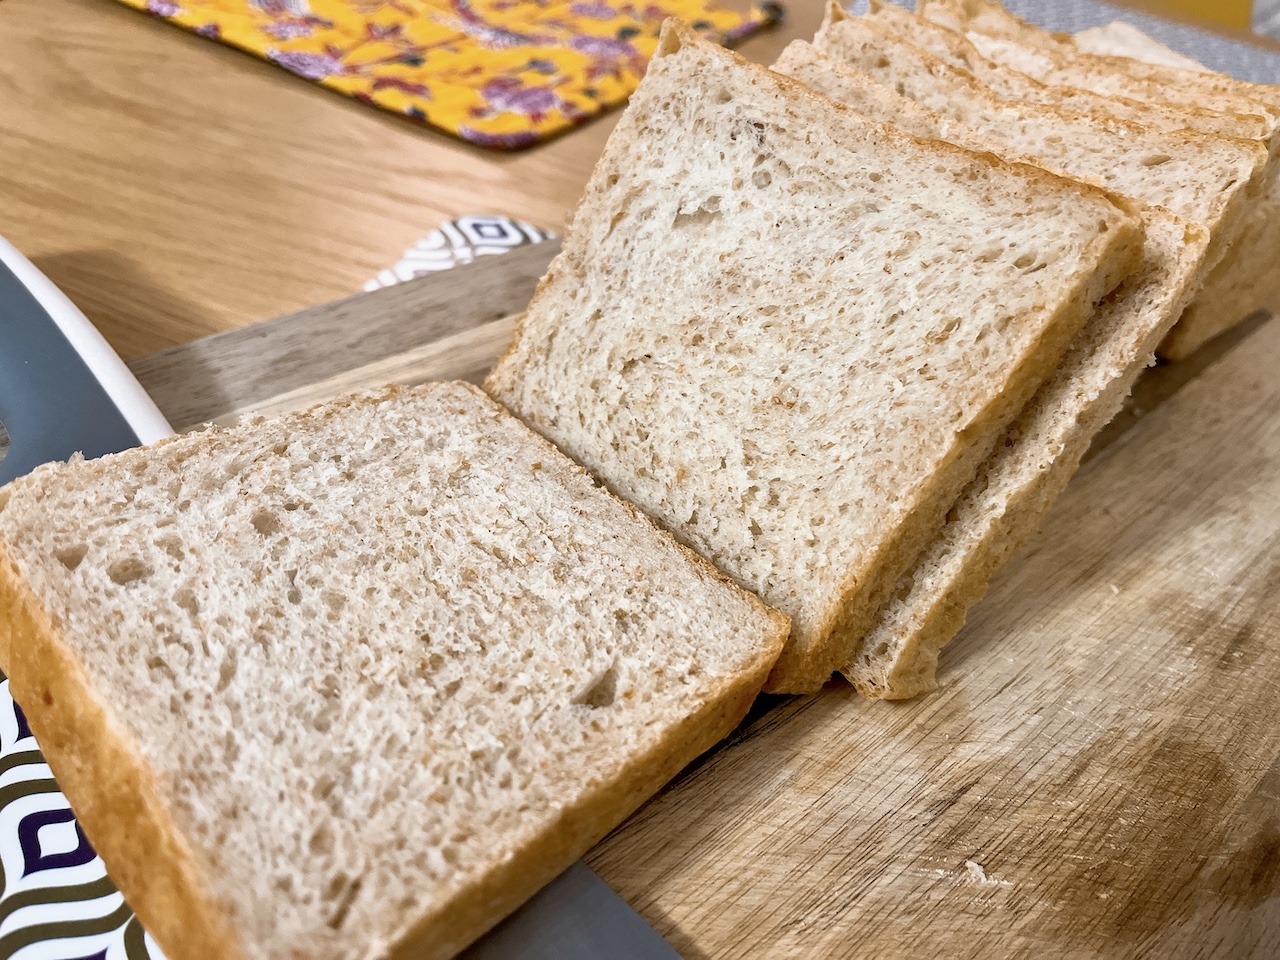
114	792
480	905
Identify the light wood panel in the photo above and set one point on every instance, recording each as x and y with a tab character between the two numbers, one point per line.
1098	776
174	187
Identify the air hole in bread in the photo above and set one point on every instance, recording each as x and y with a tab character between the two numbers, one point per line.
1024	261
344	904
173	547
762	178
185	598
322	843
266	522
226	671
128	570
335	601
71	557
602	691
1155	159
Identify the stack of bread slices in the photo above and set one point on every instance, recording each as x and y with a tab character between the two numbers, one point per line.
356	682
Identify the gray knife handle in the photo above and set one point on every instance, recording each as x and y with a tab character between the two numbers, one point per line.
63	390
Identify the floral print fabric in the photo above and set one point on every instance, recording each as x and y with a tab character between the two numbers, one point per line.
500	73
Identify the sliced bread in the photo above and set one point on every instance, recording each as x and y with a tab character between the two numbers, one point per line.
1032	463
1208	179
953	47
791	335
361	679
1003	507
1054	59
1246	279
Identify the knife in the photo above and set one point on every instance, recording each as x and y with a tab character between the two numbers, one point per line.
63	390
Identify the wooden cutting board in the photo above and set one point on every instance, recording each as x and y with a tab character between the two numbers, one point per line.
1099	773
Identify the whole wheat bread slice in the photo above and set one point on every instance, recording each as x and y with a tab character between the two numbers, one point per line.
1246	279
1208	179
892	21
358	680
1036	457
1002	509
791	336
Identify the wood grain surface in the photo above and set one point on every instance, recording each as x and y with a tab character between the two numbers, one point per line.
175	187
422	329
1099	774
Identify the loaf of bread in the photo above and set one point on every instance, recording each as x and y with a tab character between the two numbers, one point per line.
1036	457
357	680
1208	179
957	50
791	335
1245	280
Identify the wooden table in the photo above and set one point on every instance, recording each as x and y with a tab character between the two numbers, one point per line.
175	187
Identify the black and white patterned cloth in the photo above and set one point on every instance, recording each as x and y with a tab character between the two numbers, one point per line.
457	242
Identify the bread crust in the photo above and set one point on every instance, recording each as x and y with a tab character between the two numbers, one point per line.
108	782
938	615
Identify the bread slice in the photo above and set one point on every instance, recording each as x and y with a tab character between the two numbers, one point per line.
895	23
358	680
791	336
1207	179
1054	59
1001	510
1122	39
1036	457
1245	280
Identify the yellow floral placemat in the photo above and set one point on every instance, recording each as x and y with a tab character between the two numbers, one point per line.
500	73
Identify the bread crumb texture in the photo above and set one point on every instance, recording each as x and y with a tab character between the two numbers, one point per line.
372	650
773	322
